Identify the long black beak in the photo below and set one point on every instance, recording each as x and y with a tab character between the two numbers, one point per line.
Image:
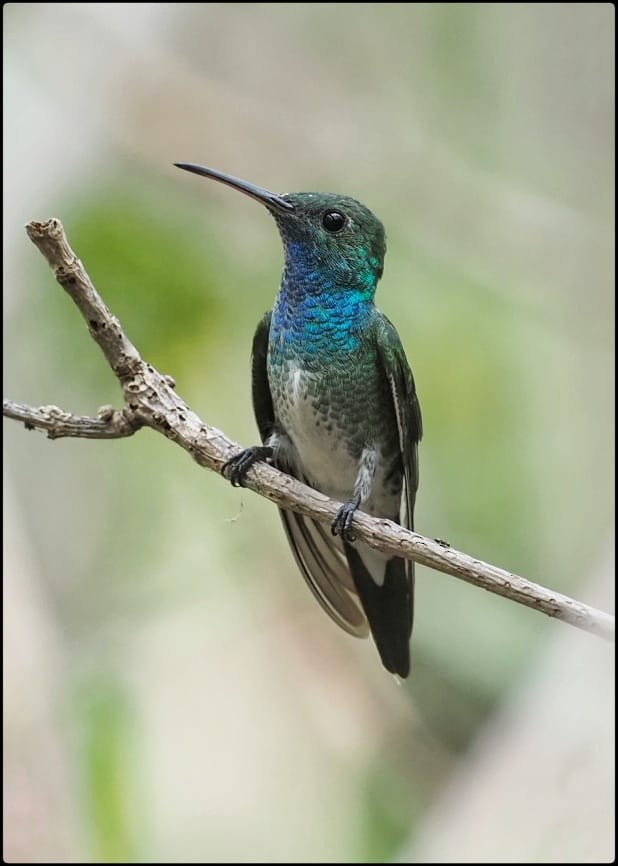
270	199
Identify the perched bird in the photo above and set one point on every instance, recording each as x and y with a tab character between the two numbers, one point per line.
336	407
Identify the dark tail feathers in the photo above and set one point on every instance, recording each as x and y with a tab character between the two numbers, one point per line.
389	609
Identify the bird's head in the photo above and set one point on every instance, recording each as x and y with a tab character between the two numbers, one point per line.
327	237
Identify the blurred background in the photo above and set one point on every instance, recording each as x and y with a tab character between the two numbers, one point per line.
172	691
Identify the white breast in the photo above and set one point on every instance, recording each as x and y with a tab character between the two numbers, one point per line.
320	451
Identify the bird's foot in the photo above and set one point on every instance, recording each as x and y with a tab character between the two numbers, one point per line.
237	468
342	524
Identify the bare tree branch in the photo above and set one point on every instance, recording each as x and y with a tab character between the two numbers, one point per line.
150	400
109	423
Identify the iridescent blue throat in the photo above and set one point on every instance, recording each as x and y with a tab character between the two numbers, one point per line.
322	306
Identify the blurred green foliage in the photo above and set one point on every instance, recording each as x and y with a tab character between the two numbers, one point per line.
152	266
107	762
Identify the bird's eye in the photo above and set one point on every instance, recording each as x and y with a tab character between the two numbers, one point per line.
333	221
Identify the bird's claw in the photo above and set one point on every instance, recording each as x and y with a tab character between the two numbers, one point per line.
236	469
342	524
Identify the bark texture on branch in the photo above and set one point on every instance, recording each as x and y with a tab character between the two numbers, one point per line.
109	423
150	400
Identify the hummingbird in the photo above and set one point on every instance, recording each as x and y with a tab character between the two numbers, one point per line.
336	407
